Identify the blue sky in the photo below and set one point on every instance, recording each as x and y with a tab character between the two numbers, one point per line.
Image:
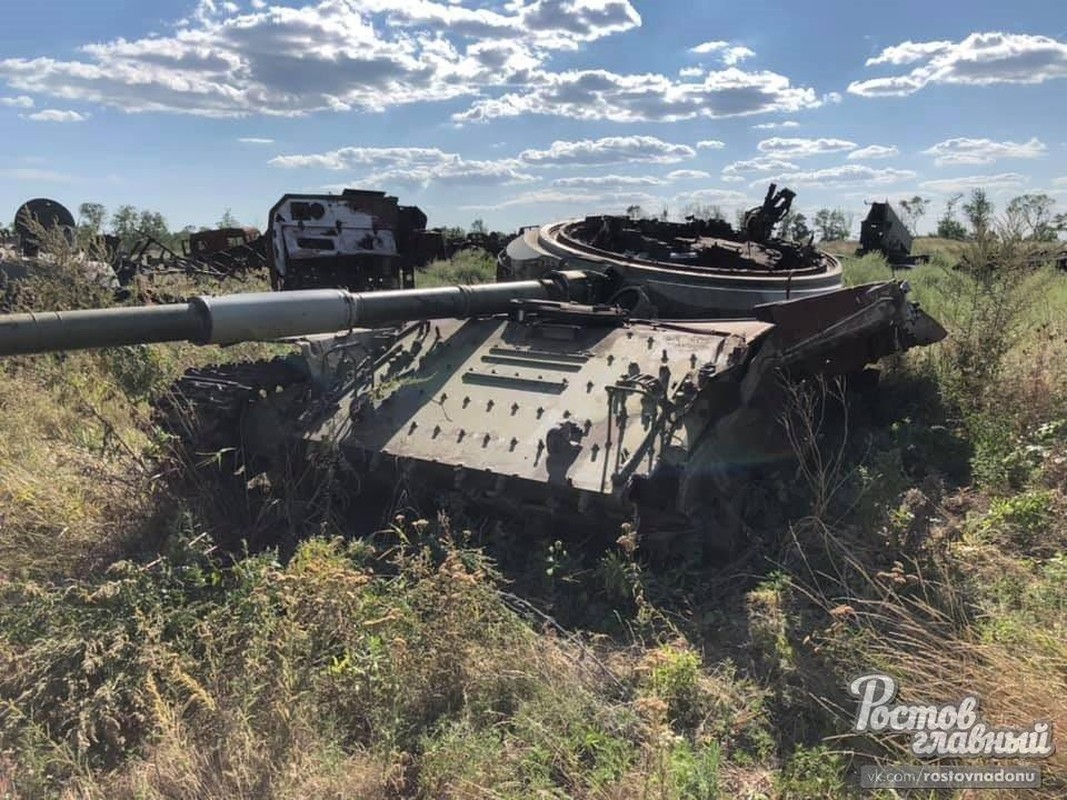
527	111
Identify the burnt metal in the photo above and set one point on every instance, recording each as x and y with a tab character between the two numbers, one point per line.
358	240
49	215
683	269
883	232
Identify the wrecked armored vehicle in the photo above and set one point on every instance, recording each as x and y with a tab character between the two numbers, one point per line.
532	399
357	240
693	268
883	232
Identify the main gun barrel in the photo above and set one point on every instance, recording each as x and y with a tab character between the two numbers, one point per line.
229	319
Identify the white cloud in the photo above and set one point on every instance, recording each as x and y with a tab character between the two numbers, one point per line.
873	151
909	53
730	55
710	144
755	165
709	47
713	197
254	140
772	126
981	59
1003	180
22	101
982	151
55	115
687	175
609	180
605	203
328	55
802	148
369	55
410	165
609	150
690	72
603	95
1060	181
844	175
36	175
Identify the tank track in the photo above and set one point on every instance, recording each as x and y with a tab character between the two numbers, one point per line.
203	408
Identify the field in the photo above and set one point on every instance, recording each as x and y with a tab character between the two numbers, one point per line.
142	655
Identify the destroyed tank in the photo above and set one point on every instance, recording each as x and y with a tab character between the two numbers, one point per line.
533	399
699	267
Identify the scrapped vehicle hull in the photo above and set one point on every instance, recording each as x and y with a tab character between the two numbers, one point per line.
357	240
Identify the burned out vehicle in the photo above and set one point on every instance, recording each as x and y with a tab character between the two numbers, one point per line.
883	232
692	268
41	214
538	399
357	240
228	250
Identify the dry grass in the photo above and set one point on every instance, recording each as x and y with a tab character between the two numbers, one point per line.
137	661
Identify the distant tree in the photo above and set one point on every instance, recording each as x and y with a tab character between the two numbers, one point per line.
130	223
1030	217
832	225
478	226
979	211
913	210
228	220
948	227
1059	223
91	217
124	221
154	224
635	212
665	214
794	226
702	211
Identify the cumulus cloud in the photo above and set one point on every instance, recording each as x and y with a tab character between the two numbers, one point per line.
229	60
255	140
690	72
982	151
687	175
22	101
981	59
55	115
738	168
802	148
609	150
710	144
331	55
712	196
1003	180
609	180
874	151
606	202
730	55
844	175
772	126
602	95
410	165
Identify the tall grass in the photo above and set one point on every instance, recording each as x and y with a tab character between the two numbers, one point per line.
139	660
